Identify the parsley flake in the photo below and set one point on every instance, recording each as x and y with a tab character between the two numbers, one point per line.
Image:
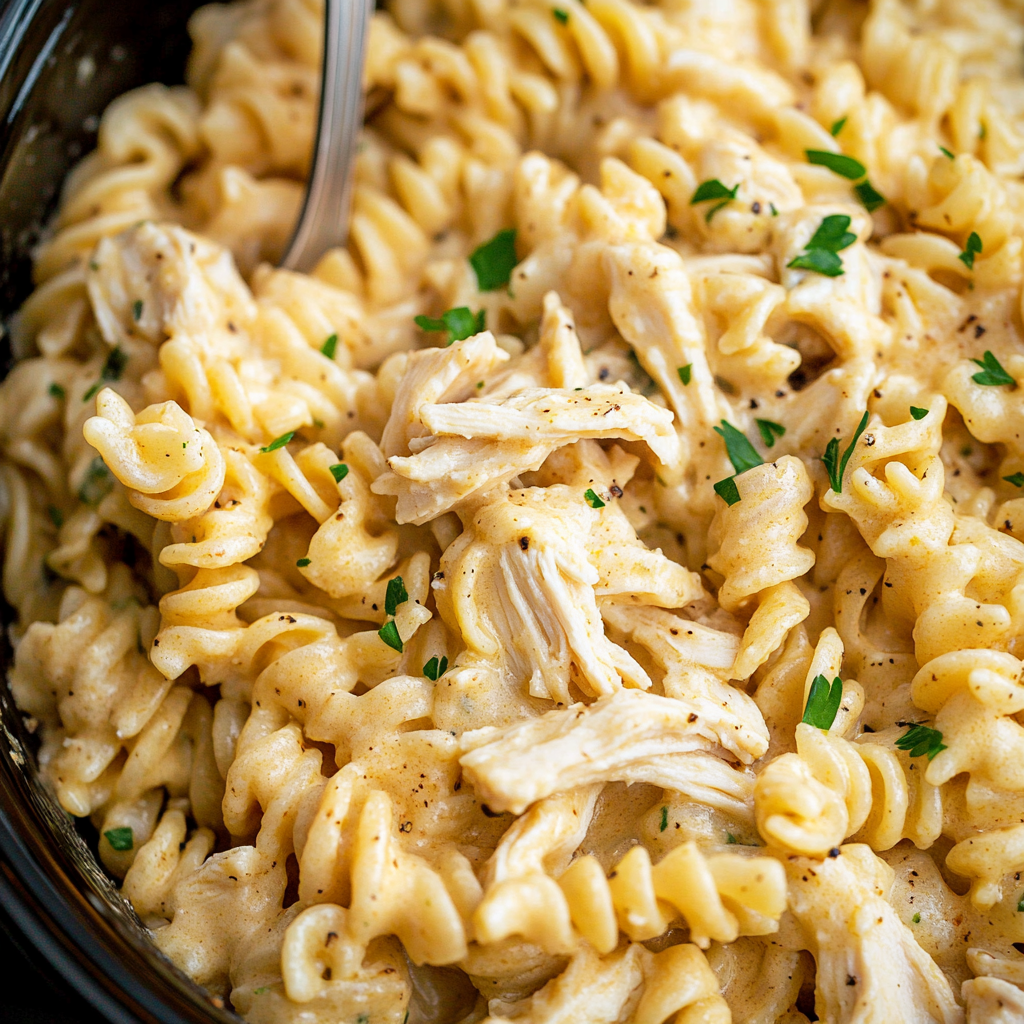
460	323
1017	480
259	991
57	517
339	471
871	199
396	595
120	839
823	702
56	391
137	310
664	819
838	163
730	839
113	367
562	17
389	634
1020	904
992	373
434	669
946	152
713	189
98	483
835	466
971	249
592	499
920	740
727	490
916	919
330	346
770	431
837	126
822	249
918	414
742	454
685	373
303	562
771	206
278	442
494	261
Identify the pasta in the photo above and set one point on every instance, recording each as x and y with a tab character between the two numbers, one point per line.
594	594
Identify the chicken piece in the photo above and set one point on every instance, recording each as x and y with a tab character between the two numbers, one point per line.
870	968
443	446
992	1001
608	741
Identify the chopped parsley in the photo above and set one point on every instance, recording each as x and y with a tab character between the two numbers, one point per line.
742	454
389	634
1017	480
837	126
730	839
278	442
57	517
770	431
303	562
871	199
120	839
592	498
823	702
835	466
56	391
396	595
685	373
822	251
918	414
664	819
113	367
494	261
137	310
727	490
1020	904
259	991
916	919
946	152
771	206
838	163
98	483
330	346
339	471
971	249
459	323
562	17
714	189
992	373
434	669
920	740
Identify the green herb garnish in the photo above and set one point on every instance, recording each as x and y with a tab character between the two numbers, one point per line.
992	372
592	499
434	669
837	126
56	516
871	199
560	16
971	249
918	414
920	740
822	250
98	483
742	454
303	562
495	260
330	346
113	367
460	323
727	490
389	634
730	839
714	189
137	310
259	991
823	702
946	152
1017	480
685	372
278	442
339	471
835	466
916	919
664	819
120	839
770	431
838	163
396	595
56	391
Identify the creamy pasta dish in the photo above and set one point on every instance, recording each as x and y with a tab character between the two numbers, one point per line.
595	594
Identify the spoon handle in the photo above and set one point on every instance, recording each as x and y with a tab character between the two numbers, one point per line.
323	222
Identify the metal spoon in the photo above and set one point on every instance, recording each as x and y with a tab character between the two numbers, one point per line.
323	222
